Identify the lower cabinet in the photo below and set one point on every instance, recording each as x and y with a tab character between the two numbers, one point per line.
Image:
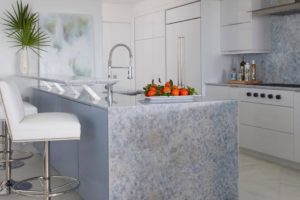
267	141
218	92
271	127
297	126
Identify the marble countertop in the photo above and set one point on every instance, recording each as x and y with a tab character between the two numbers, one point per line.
118	100
256	86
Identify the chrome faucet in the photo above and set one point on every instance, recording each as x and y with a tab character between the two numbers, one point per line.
110	67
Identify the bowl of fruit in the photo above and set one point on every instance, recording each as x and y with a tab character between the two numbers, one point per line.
168	92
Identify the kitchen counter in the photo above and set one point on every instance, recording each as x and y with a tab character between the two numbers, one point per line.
256	86
132	150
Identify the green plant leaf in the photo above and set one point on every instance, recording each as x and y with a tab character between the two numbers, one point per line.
21	26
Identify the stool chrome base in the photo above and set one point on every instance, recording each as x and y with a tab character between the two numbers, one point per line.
58	185
14	165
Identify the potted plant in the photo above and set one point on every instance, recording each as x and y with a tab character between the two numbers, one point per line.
21	26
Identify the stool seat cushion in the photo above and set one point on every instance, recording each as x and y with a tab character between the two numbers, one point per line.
29	110
47	127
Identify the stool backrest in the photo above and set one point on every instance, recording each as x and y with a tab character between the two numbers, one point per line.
12	103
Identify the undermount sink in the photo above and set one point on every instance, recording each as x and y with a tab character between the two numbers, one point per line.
126	92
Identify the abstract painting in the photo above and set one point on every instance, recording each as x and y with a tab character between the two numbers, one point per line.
71	47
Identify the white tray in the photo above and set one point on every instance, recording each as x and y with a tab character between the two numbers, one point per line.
171	99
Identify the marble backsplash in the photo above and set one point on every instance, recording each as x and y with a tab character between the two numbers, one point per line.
282	65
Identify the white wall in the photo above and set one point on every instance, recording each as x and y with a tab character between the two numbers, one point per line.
92	7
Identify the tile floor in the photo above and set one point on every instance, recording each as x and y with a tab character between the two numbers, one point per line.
262	180
259	180
33	167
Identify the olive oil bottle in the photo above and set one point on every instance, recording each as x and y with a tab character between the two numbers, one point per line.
242	69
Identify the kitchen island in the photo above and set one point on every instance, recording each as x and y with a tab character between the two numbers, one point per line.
132	150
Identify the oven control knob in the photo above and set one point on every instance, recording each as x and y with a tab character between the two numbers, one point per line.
262	95
255	94
249	94
278	97
270	96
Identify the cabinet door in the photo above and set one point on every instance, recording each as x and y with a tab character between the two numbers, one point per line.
184	53
235	11
236	37
297	126
218	92
143	27
150	61
229	14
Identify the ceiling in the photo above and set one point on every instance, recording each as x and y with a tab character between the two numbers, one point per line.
122	1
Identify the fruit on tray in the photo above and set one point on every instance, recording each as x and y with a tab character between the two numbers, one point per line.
168	89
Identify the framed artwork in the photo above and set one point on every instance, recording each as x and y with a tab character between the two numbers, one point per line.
71	48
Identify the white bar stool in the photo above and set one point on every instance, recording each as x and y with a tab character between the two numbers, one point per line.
15	157
44	127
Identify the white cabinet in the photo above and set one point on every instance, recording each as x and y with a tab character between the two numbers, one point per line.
150	26
297	126
150	48
240	31
235	11
150	61
218	92
182	13
184	49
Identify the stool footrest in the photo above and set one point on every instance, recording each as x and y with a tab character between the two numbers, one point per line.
16	155
58	185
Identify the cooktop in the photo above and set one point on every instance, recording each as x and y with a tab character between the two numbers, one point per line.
281	85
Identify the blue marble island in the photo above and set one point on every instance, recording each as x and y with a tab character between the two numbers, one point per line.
138	151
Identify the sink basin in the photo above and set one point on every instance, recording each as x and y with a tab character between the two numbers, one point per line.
128	92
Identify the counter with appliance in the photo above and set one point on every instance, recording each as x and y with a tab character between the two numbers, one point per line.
132	150
268	117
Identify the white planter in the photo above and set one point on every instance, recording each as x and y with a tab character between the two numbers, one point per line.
24	61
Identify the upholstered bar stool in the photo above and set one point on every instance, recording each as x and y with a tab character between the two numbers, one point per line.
15	157
43	127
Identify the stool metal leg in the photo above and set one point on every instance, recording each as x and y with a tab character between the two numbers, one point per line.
8	158
52	186
47	170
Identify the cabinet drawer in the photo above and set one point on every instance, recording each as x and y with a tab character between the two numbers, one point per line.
266	141
217	92
182	13
267	116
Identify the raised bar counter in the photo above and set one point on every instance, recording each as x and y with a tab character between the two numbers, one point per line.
135	151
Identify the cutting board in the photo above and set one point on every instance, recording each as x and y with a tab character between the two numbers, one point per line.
256	82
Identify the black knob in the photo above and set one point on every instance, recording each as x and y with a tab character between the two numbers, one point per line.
249	94
270	96
278	97
255	94
262	95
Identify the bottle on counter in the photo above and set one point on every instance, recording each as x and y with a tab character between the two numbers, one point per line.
233	74
253	71
242	69
247	72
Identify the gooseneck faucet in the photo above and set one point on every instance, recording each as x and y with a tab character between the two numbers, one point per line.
110	67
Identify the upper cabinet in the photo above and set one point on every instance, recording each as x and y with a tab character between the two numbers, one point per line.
150	26
240	31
